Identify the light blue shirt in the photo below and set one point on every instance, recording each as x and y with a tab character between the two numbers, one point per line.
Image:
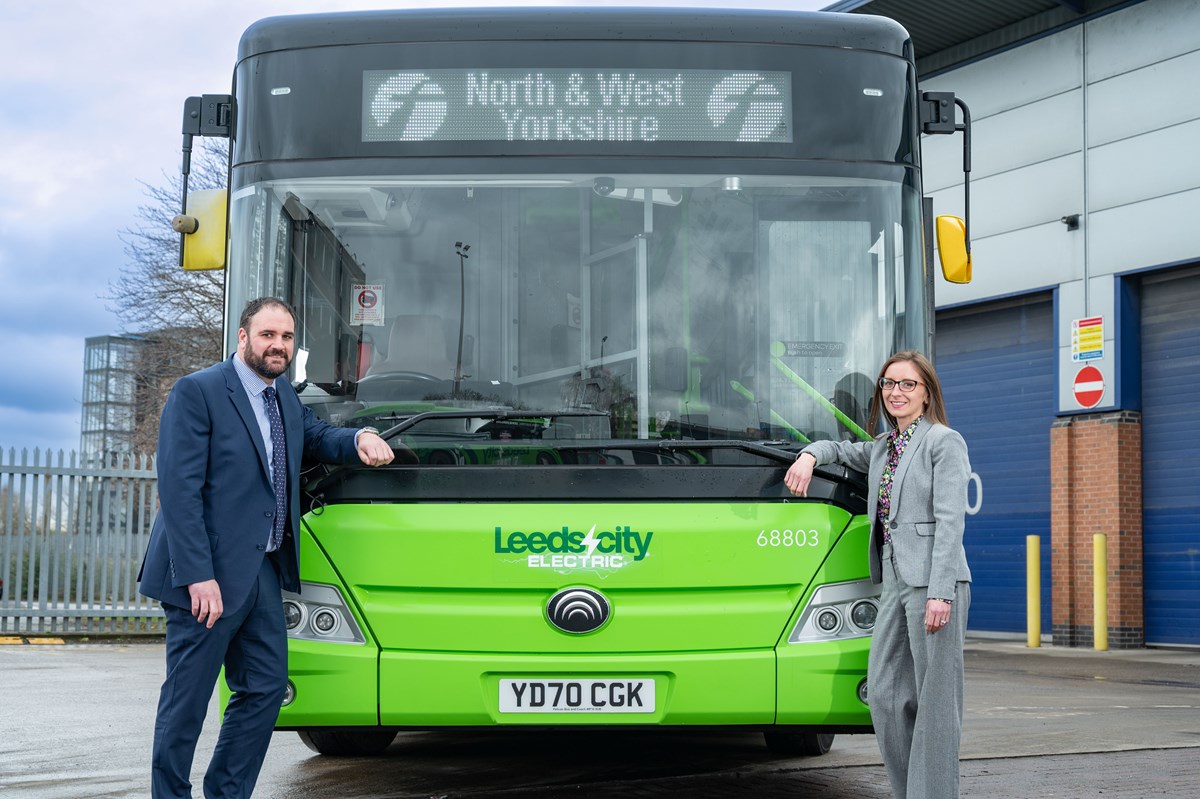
255	387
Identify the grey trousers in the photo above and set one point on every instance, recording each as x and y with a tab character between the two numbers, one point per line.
915	687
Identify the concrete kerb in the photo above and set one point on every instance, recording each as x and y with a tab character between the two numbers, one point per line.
1179	656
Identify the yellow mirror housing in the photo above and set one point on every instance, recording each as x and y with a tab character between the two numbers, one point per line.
203	229
952	249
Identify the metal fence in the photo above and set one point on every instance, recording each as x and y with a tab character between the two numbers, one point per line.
72	534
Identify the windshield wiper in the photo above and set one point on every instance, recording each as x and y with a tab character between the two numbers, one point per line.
672	444
478	413
481	413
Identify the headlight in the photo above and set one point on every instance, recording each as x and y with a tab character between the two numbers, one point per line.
863	613
829	620
838	611
319	613
325	621
293	614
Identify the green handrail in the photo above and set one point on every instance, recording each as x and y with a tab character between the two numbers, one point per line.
787	372
748	394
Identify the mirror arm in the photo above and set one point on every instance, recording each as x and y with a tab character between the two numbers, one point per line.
191	127
965	127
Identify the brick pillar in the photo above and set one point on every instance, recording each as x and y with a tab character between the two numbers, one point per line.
1096	487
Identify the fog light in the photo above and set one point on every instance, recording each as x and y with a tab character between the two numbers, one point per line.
863	615
293	615
862	692
829	620
289	694
325	621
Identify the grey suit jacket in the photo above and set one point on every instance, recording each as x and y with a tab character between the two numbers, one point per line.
929	503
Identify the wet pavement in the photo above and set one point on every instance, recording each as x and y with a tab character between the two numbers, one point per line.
76	721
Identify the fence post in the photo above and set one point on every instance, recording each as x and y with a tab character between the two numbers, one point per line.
1100	591
1033	591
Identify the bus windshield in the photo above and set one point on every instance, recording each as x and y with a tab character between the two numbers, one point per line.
702	306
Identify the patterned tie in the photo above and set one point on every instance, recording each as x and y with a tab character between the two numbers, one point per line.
278	466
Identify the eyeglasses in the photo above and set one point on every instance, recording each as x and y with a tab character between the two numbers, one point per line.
907	386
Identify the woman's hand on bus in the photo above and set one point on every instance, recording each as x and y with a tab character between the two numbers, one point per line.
799	474
373	450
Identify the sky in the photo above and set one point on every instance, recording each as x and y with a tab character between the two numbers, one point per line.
91	101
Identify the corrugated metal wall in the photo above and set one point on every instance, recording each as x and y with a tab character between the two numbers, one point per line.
1171	458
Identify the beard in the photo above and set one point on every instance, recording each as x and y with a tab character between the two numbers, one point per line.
260	365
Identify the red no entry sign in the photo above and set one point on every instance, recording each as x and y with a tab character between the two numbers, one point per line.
1089	387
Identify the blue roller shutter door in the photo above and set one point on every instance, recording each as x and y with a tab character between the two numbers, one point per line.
1171	458
997	369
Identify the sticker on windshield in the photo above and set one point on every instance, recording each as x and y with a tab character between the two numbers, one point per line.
368	304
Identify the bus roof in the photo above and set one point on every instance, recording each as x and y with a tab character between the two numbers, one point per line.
855	31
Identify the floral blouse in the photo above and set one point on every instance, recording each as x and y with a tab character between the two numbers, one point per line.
897	440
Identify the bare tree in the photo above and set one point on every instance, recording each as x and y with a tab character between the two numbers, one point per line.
177	314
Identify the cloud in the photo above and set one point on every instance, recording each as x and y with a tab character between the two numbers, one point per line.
93	113
25	430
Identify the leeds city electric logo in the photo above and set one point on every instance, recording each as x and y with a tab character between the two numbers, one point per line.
410	106
760	104
564	549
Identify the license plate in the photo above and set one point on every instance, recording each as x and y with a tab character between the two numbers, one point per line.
576	696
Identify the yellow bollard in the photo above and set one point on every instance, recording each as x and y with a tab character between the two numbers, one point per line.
1100	591
1033	590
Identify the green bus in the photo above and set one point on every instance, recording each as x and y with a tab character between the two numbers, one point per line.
598	274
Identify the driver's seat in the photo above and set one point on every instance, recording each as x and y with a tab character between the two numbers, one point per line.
416	343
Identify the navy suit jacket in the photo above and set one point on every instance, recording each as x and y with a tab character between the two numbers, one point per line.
216	503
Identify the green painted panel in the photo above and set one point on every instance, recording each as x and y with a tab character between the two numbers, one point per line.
680	578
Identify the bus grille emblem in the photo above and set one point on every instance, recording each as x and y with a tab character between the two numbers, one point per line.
578	610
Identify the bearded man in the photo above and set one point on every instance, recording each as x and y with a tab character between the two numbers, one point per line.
225	542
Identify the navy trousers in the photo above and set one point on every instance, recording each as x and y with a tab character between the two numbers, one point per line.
252	645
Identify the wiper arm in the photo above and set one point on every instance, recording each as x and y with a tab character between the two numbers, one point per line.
672	444
416	419
481	413
753	447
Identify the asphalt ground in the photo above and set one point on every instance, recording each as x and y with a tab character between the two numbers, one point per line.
76	721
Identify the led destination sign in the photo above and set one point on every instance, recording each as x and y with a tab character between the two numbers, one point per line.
577	105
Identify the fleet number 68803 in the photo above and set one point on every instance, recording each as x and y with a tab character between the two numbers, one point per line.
788	538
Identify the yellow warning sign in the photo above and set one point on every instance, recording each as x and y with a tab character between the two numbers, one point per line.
1087	339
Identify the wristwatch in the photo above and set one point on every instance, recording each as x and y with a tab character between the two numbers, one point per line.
368	430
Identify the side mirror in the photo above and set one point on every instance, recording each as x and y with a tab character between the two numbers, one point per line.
952	249
203	229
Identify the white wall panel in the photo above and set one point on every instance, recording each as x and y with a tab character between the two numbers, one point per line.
1036	257
1024	135
1143	167
1011	79
1147	99
1149	233
1032	195
1142	34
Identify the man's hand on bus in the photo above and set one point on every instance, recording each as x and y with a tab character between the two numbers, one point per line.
373	450
799	474
206	602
